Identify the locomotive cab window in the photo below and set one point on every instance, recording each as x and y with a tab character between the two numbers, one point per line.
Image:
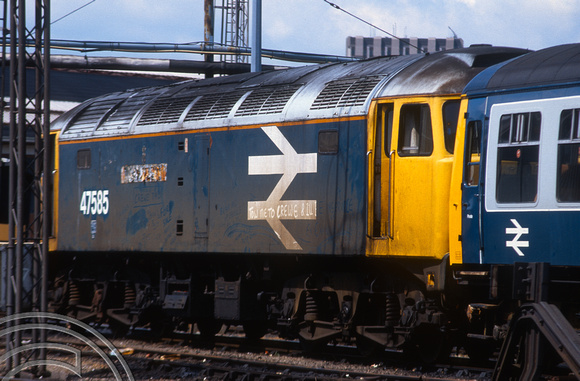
450	117
517	157
385	119
568	176
84	159
415	135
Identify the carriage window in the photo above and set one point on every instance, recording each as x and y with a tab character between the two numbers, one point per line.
517	161
568	177
415	136
84	159
450	116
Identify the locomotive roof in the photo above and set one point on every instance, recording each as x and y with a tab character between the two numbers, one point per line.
308	92
556	65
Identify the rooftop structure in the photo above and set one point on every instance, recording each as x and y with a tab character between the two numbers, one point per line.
368	47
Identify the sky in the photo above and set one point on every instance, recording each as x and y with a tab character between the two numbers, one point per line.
313	26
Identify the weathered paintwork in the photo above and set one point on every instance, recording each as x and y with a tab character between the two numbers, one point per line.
203	202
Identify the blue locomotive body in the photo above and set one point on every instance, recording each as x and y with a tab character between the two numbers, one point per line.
218	191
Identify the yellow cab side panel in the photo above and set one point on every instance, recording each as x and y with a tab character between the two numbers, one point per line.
415	188
3	232
455	197
52	244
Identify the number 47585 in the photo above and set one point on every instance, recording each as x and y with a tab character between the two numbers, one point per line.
95	202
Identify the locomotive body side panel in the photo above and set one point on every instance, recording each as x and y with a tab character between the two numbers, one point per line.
296	188
124	195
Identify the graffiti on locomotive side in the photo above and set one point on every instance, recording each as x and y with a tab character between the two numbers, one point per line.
289	164
143	173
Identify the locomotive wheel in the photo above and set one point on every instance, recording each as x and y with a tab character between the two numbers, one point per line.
118	329
255	330
208	328
368	348
480	350
311	346
160	328
429	344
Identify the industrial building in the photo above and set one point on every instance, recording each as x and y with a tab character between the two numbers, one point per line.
367	47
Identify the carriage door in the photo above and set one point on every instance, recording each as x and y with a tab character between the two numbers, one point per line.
471	200
380	224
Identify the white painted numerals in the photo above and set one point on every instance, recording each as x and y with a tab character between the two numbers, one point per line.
95	202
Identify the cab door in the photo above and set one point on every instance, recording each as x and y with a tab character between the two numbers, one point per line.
380	168
409	166
400	186
414	197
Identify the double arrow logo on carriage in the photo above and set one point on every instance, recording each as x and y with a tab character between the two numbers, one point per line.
515	243
274	209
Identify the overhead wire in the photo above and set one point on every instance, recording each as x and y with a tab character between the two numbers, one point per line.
70	13
370	24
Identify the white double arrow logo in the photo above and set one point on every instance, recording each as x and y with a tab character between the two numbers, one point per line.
516	243
289	164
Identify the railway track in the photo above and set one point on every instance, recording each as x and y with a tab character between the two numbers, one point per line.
229	357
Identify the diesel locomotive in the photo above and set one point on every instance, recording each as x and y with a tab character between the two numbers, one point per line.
382	202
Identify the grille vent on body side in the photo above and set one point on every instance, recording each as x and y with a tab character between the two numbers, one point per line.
266	100
345	93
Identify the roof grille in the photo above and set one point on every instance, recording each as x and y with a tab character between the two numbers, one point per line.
121	117
353	92
266	101
88	118
213	106
165	110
